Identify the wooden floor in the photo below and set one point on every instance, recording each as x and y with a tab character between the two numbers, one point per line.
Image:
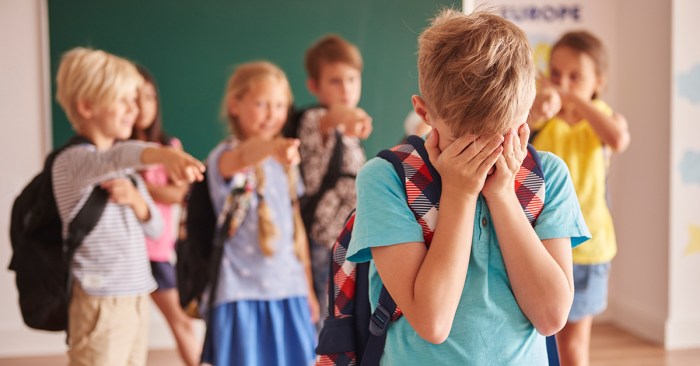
610	346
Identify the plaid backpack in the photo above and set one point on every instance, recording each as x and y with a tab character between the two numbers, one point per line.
352	334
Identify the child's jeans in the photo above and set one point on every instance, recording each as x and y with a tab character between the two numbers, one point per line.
107	330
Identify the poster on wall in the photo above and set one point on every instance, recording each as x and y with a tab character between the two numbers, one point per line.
545	21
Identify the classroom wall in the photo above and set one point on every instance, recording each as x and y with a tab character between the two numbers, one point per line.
640	185
683	325
654	291
25	117
192	48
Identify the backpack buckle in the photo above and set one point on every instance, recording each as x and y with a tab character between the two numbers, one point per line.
379	321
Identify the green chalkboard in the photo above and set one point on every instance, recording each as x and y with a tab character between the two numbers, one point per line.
192	46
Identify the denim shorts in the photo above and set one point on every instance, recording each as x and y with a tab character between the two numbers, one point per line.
164	274
590	290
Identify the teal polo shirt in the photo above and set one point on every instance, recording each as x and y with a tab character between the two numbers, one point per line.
489	328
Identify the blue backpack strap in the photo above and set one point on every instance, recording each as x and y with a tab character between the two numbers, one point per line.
382	316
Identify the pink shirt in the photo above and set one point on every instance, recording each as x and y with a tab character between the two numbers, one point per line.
161	248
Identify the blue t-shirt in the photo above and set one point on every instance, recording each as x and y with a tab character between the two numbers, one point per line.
246	274
489	328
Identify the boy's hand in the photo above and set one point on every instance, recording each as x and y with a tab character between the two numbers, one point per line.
123	192
181	167
286	150
502	181
354	122
464	164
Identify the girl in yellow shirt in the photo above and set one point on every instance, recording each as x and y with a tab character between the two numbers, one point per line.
570	121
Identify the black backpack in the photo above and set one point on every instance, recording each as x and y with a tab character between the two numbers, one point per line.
194	247
200	246
309	203
40	257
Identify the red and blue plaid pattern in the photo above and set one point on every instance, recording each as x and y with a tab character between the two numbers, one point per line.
423	188
529	186
343	272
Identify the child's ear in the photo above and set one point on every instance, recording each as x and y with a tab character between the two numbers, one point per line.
232	106
85	109
600	85
421	109
312	85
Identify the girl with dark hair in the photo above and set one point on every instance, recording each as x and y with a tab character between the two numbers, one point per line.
167	195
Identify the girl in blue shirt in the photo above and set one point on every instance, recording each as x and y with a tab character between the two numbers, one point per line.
263	310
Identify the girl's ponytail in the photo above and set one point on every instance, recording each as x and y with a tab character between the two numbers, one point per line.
266	228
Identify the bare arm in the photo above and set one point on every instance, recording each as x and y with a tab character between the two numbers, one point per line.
306	261
254	150
427	284
170	194
123	192
349	121
612	130
180	166
539	272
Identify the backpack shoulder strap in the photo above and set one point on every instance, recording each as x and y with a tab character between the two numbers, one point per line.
423	186
310	203
91	212
421	181
530	185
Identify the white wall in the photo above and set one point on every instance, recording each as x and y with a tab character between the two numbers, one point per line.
25	120
23	117
640	183
683	324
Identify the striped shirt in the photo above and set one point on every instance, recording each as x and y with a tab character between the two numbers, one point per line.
112	260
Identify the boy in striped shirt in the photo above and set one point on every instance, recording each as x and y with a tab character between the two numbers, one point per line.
108	314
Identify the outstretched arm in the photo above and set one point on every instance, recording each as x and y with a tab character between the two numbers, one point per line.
180	166
254	150
612	130
170	193
349	121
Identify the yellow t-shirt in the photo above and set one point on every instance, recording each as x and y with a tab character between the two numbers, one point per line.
582	151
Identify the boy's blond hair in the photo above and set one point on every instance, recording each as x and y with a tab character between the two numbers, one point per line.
475	72
331	49
93	76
